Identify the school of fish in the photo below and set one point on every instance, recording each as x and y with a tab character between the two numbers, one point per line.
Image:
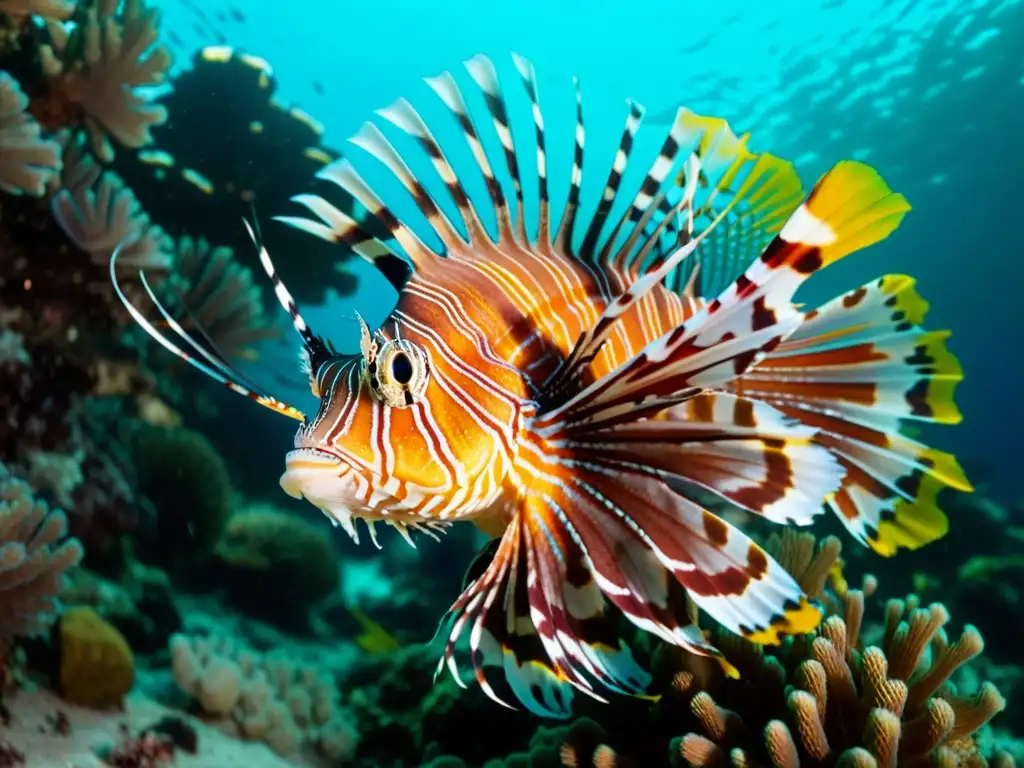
566	386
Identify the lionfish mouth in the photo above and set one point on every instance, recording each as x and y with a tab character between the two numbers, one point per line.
306	468
333	486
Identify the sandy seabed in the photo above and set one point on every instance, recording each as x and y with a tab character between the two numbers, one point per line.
31	731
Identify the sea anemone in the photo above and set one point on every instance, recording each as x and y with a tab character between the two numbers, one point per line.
103	66
27	161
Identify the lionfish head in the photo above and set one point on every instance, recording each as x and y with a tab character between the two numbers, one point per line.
373	449
392	441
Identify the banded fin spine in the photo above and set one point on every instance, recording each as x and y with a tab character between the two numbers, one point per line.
535	614
205	357
851	207
745	451
760	202
733	179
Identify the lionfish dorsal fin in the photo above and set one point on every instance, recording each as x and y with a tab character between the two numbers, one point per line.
482	70
665	212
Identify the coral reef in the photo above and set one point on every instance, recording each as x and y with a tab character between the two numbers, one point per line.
832	698
100	147
267	697
34	555
27	161
100	67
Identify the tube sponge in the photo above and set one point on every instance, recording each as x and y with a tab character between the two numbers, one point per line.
34	556
268	697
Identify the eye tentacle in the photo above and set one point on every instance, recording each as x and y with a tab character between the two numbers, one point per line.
367	342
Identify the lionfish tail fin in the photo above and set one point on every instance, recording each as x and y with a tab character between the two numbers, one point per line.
859	370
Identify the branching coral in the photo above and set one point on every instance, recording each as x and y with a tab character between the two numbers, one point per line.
221	297
103	66
578	745
34	554
267	697
27	161
829	698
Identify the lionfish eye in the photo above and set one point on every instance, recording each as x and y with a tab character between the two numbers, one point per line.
401	368
401	374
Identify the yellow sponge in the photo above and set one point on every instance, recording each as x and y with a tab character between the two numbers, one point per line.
97	667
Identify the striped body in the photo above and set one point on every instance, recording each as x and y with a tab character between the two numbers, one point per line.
565	390
495	331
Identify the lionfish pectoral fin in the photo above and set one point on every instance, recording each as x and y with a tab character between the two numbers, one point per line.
537	615
857	370
504	647
745	451
639	533
851	207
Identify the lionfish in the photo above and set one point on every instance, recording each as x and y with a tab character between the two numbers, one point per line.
568	392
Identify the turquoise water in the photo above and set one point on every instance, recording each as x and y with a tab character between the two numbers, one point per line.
931	93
